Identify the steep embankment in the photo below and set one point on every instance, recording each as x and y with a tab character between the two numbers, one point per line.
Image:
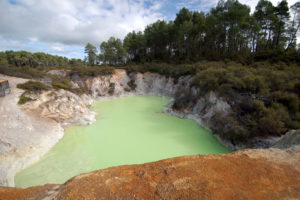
210	110
252	174
40	122
155	84
187	102
36	126
29	131
24	136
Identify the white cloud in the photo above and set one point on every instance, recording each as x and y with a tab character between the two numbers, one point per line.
253	3
206	5
65	26
72	22
200	5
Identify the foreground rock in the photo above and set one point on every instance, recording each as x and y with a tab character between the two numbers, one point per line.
251	174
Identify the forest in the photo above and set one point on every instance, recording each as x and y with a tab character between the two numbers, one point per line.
228	31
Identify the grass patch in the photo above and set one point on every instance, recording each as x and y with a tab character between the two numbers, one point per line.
91	71
22	72
23	99
63	84
33	86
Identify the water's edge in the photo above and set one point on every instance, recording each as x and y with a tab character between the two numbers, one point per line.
54	104
173	151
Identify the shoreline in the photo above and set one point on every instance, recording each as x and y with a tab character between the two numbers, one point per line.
54	122
19	163
184	175
25	137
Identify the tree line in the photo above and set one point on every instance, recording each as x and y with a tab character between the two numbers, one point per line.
24	58
228	31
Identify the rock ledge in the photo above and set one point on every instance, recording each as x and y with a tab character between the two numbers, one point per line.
250	174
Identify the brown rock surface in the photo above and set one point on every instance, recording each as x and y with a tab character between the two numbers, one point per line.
251	174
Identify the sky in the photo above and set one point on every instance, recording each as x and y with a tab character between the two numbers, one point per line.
64	27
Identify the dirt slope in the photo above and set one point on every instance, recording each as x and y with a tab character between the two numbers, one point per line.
252	174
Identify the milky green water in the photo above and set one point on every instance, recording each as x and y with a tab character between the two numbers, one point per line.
129	130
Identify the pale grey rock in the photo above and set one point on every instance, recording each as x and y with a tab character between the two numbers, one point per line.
62	106
25	137
290	140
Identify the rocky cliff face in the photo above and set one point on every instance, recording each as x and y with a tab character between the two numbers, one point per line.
30	130
208	110
188	104
41	120
61	106
202	110
24	136
252	174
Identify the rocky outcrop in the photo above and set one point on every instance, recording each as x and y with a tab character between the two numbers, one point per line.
202	109
61	106
24	136
252	174
146	83
30	130
210	110
291	140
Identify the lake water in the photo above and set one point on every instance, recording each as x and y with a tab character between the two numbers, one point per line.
129	130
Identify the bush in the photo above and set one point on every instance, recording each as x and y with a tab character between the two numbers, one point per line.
132	84
264	121
164	69
127	89
63	84
229	128
23	72
111	88
184	99
91	71
270	124
23	99
290	100
33	86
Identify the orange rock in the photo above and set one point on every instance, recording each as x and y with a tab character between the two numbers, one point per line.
251	174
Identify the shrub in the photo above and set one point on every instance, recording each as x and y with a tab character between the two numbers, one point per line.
264	121
183	99
290	100
111	88
23	72
132	84
23	99
91	71
64	84
127	89
270	124
33	86
229	128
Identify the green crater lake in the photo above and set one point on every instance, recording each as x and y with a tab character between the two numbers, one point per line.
129	130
